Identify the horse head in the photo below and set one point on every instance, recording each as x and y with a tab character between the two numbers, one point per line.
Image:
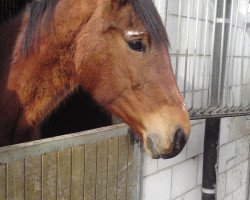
122	59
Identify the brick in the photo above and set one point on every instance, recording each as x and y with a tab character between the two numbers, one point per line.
242	149
200	169
196	140
229	197
224	130
157	186
233	179
184	177
240	193
245	172
221	186
248	125
149	165
194	194
227	156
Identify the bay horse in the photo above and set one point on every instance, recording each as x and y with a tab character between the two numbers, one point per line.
117	50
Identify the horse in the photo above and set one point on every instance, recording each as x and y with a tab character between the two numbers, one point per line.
117	50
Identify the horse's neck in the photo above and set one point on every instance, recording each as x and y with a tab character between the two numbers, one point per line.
30	88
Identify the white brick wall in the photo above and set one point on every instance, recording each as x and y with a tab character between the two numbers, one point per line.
233	158
180	178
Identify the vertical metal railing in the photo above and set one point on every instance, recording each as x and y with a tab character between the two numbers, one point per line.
211	54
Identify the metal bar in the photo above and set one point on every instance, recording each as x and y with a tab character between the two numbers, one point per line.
212	58
178	41
204	58
187	50
228	57
206	115
195	55
232	54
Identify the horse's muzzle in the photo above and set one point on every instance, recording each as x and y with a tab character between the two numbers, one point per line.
174	149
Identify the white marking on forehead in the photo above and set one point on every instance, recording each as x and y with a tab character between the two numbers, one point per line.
134	33
130	33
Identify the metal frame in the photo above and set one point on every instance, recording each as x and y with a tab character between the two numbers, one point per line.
215	96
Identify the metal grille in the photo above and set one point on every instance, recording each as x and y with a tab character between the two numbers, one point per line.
210	52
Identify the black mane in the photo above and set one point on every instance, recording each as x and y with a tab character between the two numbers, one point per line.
44	10
38	10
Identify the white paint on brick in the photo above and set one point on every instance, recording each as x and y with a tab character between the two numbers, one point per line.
227	156
200	169
240	193
149	165
229	197
221	186
196	140
157	186
248	126
224	130
233	179
242	149
245	171
194	194
184	177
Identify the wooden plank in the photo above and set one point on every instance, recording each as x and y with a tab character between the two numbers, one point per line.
90	172
3	185
130	169
101	173
33	178
16	180
77	173
122	168
36	148
112	169
64	174
49	172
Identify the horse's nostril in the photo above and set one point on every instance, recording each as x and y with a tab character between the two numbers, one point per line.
179	140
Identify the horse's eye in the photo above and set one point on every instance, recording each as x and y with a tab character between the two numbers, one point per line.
137	45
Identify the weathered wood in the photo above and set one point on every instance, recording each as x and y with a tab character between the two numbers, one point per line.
77	173
130	169
122	168
3	182
101	172
90	172
33	178
49	173
112	169
16	180
101	169
37	148
64	174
